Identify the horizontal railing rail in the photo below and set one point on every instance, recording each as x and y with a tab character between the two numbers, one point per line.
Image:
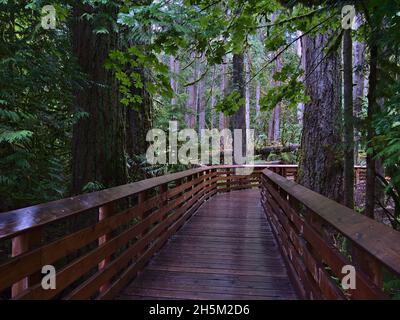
318	237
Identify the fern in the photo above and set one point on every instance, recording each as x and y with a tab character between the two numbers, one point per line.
9	115
15	136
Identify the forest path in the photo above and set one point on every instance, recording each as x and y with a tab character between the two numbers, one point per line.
227	250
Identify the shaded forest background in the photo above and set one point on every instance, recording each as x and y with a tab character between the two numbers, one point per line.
77	101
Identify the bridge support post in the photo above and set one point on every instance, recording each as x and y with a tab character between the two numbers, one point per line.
228	181
20	244
142	197
164	189
367	264
105	212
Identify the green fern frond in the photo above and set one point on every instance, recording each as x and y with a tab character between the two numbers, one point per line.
15	136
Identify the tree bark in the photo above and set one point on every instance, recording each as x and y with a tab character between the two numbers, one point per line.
358	88
258	97
212	94
274	123
247	91
238	120
201	102
348	120
372	82
139	121
190	117
174	67
299	51
98	143
321	164
223	88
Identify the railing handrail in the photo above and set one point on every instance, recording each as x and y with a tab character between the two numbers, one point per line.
15	222
379	240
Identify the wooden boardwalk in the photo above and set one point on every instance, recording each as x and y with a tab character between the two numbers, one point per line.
225	251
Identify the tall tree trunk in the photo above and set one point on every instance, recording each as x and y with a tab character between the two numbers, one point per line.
212	94
358	88
238	120
139	121
190	117
321	164
223	89
274	123
174	67
372	82
247	91
299	51
98	152
348	120
258	97
201	104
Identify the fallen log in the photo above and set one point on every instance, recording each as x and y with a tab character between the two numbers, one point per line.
277	149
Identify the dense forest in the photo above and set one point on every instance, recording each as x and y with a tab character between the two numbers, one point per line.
82	82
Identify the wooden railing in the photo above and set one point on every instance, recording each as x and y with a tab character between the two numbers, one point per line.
318	237
99	241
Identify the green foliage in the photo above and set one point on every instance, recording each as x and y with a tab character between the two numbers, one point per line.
387	147
93	186
37	77
128	65
230	104
289	91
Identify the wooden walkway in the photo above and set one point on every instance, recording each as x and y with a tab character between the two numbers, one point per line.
225	251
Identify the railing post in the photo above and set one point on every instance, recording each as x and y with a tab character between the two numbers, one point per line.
368	264
105	212
142	197
164	189
203	192
21	244
357	174
228	181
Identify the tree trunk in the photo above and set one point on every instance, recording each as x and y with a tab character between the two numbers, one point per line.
201	104
212	94
321	164
139	121
190	116
299	51
238	120
348	120
247	91
274	123
358	88
223	88
372	82
174	67
98	152
258	97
